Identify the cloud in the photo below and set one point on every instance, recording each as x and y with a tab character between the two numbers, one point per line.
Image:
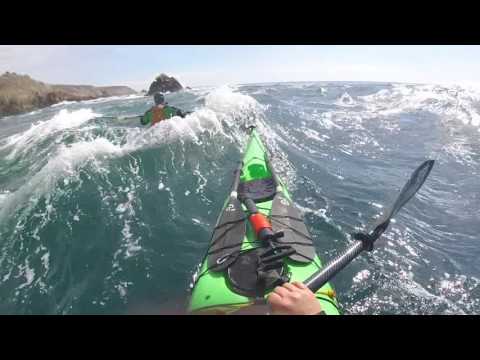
78	64
30	59
137	85
136	66
199	78
299	71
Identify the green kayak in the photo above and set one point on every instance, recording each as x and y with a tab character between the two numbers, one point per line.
259	242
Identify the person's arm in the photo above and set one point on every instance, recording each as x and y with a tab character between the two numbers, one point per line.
294	299
146	118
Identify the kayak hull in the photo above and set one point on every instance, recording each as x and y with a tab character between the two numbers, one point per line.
212	291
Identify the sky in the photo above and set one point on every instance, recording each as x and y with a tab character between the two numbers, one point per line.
208	65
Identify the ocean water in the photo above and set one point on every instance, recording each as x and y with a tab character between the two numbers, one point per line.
103	216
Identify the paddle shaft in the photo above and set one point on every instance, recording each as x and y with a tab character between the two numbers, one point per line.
365	241
316	281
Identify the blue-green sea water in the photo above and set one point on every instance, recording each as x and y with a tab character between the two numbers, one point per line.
104	216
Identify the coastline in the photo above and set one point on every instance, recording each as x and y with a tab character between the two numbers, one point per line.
21	94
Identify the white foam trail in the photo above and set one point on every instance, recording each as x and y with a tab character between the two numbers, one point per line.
237	110
3	196
326	120
27	272
166	132
312	134
64	164
361	276
456	102
454	106
222	104
460	151
113	98
346	100
62	121
224	101
201	91
68	158
62	103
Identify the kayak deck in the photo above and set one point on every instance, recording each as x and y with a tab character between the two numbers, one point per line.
212	290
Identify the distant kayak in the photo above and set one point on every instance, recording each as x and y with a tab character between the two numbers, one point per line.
239	268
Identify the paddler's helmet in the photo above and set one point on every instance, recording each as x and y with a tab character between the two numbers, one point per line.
158	99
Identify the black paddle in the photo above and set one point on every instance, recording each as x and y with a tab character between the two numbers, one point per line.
364	241
122	118
183	114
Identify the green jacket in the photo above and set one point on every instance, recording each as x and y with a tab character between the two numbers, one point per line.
168	111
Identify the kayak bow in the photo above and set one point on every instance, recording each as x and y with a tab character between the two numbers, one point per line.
260	241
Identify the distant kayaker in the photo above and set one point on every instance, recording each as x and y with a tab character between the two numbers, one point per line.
294	299
160	111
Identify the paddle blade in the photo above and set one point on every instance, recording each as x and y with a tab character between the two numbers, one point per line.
227	238
285	217
365	241
411	187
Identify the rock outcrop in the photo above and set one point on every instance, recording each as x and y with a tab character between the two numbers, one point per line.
163	84
21	93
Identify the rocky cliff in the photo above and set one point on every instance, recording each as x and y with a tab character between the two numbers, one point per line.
21	93
163	84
